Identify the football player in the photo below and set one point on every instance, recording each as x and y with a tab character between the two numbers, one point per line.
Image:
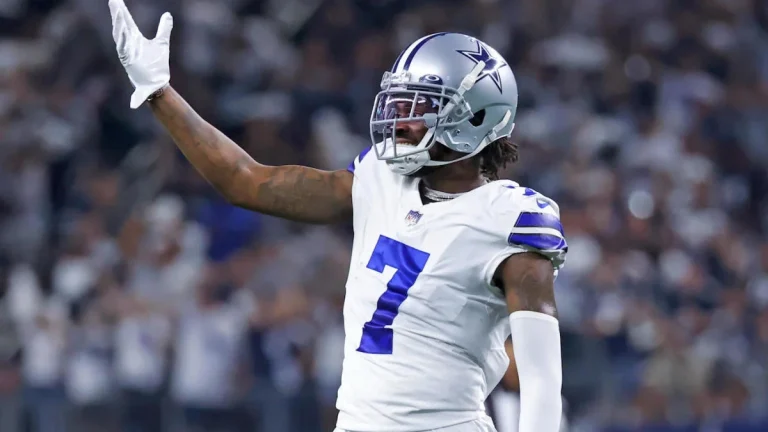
447	261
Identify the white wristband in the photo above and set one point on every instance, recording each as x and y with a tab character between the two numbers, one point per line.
536	343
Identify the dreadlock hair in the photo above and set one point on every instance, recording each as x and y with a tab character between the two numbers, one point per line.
496	156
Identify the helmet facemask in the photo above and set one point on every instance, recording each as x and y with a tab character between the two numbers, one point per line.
439	107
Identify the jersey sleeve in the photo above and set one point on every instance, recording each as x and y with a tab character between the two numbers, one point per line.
526	221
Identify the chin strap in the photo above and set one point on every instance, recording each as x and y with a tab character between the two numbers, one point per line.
467	83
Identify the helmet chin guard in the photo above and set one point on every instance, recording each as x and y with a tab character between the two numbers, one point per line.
404	165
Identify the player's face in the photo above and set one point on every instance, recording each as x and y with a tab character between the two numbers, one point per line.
411	132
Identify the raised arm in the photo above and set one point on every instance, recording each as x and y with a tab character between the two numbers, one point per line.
528	281
293	192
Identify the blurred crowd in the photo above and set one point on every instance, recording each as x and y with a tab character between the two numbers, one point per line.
134	298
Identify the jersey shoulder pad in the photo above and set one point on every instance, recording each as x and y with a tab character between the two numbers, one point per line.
358	161
530	221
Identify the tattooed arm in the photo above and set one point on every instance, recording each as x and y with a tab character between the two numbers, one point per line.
293	192
528	281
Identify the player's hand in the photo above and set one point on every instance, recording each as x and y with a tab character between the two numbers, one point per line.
145	61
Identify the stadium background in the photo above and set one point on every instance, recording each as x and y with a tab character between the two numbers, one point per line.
131	292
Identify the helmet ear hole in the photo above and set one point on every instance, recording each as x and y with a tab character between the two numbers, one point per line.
478	118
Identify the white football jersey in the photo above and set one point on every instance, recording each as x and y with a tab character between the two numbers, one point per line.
425	329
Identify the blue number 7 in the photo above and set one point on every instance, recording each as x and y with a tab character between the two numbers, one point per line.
408	263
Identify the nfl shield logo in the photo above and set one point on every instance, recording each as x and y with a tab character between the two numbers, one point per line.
412	217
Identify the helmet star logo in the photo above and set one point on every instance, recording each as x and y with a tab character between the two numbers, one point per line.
492	64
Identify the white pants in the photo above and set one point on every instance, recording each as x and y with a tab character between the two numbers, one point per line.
483	424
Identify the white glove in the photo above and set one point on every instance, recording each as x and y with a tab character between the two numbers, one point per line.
145	61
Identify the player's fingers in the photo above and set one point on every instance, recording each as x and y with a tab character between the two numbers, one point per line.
114	8
117	26
122	46
122	36
130	24
164	28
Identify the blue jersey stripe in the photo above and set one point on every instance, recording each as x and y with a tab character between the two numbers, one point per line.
543	242
539	220
352	165
415	49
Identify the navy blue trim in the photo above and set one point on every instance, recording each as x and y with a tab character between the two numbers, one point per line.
539	220
394	67
418	46
542	242
358	159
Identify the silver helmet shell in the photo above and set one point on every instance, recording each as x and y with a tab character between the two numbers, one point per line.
471	88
